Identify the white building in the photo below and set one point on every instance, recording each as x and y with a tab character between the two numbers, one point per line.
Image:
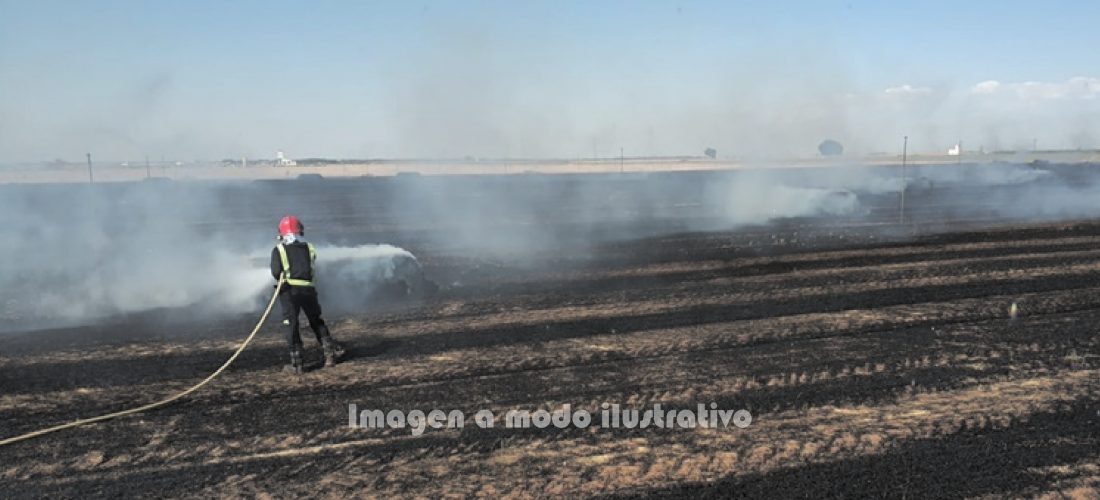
955	150
282	161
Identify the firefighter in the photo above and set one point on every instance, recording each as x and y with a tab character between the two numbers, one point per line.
292	259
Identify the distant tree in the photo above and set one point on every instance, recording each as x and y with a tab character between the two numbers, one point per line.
711	153
830	147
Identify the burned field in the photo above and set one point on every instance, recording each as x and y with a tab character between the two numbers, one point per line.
876	357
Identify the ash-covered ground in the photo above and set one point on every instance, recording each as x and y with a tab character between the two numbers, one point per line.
874	349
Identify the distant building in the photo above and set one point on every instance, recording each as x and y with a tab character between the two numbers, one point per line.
282	161
955	150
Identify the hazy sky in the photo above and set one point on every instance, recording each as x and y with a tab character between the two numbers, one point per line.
210	80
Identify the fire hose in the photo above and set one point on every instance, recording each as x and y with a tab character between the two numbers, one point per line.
165	401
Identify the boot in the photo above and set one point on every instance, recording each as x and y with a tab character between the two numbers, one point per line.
295	366
330	348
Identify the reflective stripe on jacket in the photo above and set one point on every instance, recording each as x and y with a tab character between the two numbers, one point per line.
300	275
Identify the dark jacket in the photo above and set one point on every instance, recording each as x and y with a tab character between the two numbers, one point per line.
297	255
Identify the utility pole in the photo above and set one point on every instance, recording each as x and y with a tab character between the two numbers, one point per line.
904	160
147	173
622	161
91	180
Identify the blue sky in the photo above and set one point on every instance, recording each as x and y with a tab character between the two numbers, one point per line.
209	80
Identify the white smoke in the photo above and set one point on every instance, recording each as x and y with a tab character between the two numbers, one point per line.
222	283
993	175
78	254
348	277
763	195
81	254
755	204
227	284
364	263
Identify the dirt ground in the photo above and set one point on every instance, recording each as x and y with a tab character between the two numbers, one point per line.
873	362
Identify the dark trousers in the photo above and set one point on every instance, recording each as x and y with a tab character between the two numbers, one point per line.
296	299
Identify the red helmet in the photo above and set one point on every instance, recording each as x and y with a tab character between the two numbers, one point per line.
290	225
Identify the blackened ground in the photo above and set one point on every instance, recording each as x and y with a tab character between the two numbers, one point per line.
877	359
